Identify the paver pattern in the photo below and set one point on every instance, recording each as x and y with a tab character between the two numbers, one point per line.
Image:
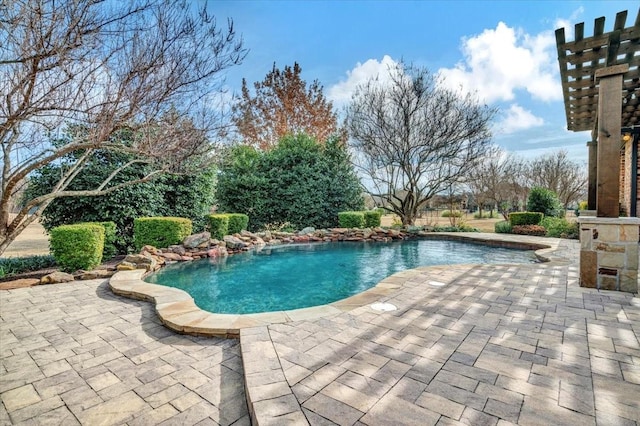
77	354
517	344
468	344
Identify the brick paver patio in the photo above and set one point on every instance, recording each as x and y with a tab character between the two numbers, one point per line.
511	344
77	354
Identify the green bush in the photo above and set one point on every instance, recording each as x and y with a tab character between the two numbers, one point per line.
218	225
160	232
535	230
558	227
503	227
237	222
544	201
301	181
372	218
77	246
450	213
351	219
10	266
110	248
525	218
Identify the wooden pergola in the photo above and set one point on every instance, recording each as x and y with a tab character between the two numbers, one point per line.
601	87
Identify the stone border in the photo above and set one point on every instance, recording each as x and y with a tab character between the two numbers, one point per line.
178	311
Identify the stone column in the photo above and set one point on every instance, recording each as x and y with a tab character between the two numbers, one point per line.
609	253
593	174
609	125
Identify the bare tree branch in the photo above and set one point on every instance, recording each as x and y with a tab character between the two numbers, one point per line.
414	138
150	66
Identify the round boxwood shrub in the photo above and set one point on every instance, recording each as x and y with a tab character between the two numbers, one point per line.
160	232
77	246
110	248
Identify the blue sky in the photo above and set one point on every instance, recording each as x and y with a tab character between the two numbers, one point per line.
503	50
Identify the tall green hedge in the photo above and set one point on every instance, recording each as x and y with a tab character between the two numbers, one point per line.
218	225
238	222
372	218
78	246
525	218
160	232
351	219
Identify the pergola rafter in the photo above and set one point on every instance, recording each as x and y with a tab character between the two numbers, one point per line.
580	59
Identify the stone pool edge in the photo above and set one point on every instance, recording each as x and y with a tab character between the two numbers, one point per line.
178	311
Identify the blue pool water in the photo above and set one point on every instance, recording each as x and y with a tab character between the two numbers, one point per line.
299	276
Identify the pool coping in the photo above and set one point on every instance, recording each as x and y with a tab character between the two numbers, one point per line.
178	311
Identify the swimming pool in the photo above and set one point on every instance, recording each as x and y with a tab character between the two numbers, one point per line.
298	276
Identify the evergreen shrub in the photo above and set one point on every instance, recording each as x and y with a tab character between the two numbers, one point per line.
351	219
502	227
218	225
525	218
160	232
78	246
372	218
238	222
534	230
110	248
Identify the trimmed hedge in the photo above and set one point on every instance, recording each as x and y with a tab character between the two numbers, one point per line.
351	219
160	232
218	225
78	246
502	227
110	249
238	222
525	218
372	218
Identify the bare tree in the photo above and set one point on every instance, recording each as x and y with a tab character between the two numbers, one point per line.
556	172
499	179
414	138
104	67
283	105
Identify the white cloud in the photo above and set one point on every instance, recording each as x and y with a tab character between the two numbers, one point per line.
502	60
567	23
340	93
517	118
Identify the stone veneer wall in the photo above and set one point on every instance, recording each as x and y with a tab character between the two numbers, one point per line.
609	253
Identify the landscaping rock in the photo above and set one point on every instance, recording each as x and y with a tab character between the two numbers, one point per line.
142	261
170	256
193	241
149	249
56	277
234	243
126	266
308	230
95	274
19	283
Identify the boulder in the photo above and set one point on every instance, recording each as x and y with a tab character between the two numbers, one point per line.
56	277
170	256
259	242
141	261
308	230
234	243
126	266
149	249
246	233
367	233
193	241
274	242
178	249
